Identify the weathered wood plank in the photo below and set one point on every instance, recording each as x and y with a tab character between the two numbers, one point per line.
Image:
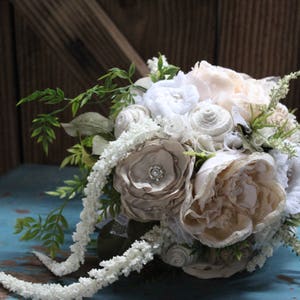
185	31
9	149
261	37
65	44
82	34
39	68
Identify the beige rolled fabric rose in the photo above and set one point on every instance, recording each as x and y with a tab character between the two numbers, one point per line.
234	195
210	121
179	255
152	180
131	114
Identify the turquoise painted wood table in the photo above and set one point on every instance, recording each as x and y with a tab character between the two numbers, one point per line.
22	194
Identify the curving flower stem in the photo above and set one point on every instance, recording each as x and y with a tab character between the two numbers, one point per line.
133	259
115	151
139	254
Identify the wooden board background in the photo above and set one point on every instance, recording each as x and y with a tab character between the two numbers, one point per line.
69	43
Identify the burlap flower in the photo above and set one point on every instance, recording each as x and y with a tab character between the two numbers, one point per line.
151	180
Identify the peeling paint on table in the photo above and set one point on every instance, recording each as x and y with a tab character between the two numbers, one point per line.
22	194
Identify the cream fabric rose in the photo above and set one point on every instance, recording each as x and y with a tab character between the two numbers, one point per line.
179	256
210	121
228	88
293	189
288	174
152	179
167	98
234	196
128	115
282	117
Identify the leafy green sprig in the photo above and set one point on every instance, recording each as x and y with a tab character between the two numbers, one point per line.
49	231
281	90
277	140
71	188
43	124
235	251
163	71
201	157
287	233
79	155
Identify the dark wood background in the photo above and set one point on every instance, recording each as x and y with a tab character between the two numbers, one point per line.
69	43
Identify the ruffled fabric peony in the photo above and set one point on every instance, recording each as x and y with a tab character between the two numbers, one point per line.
228	88
233	196
151	180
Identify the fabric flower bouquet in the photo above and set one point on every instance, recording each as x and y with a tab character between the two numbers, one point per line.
201	169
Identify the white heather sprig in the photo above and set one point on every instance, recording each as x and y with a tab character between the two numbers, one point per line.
289	238
260	259
265	252
139	254
281	90
115	151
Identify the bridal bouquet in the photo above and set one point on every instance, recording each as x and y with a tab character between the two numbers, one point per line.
200	169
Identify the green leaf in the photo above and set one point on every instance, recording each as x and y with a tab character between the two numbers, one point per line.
42	129
71	189
131	70
88	124
48	96
164	72
64	221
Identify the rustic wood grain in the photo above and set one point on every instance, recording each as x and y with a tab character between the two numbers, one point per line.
261	38
9	149
185	31
40	68
68	44
82	34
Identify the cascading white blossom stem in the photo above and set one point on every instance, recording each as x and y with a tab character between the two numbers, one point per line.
115	151
139	254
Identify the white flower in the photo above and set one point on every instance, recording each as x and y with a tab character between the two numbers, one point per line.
176	127
129	115
288	174
152	63
211	121
232	141
228	88
234	196
282	117
282	166
139	254
167	98
178	255
137	92
116	151
293	189
151	180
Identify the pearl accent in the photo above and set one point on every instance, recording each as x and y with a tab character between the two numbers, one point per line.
156	173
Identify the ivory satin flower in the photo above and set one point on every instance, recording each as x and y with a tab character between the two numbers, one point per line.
152	180
228	88
233	196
